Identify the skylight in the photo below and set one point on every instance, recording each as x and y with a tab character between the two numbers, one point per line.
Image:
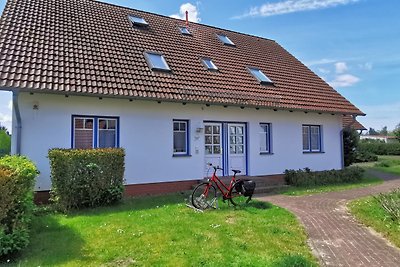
138	20
260	76
185	31
225	39
209	64
156	61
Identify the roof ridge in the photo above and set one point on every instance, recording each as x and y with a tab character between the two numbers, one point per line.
165	16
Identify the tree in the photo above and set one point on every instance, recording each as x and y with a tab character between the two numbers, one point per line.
5	142
372	131
384	131
350	144
396	132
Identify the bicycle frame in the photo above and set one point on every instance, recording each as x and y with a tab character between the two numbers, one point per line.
221	185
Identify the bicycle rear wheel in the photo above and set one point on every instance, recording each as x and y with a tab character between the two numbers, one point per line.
236	197
204	196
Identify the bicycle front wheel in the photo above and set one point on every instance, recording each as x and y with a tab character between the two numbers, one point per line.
236	197
204	196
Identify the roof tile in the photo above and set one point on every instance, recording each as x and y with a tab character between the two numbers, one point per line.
89	47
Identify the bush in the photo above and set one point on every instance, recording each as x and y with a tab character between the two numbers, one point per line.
379	148
390	202
350	143
86	177
365	156
17	178
308	178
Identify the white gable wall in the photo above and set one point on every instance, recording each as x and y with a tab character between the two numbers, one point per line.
147	136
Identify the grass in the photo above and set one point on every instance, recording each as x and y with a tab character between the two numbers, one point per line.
390	164
368	211
300	191
162	231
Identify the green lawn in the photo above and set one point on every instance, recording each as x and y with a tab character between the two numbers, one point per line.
368	211
162	231
300	191
389	164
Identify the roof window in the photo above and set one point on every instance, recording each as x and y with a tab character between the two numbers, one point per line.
225	39
138	20
156	61
185	31
209	64
260	76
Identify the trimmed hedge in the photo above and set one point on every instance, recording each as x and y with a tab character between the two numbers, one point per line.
17	179
379	148
365	156
306	177
86	177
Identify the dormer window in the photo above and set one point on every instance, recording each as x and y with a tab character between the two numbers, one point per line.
260	76
225	40
156	61
184	31
209	64
138	20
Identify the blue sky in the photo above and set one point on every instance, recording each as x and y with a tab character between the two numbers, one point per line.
353	44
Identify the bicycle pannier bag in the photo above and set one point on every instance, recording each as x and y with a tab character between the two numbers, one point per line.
248	188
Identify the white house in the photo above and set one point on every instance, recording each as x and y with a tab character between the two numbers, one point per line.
174	95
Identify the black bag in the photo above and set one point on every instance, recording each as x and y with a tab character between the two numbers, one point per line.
248	188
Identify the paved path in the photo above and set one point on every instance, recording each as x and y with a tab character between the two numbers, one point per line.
335	236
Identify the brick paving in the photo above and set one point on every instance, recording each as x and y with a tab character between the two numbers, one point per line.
335	236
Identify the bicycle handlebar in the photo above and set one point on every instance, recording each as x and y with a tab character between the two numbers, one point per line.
215	167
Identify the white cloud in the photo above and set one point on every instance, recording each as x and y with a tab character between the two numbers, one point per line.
344	80
365	66
320	62
341	67
5	120
291	6
193	13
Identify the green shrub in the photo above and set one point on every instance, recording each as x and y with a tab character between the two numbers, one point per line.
350	143
379	148
86	177
390	202
387	163
365	156
17	178
306	177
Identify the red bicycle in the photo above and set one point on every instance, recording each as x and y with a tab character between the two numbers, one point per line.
238	192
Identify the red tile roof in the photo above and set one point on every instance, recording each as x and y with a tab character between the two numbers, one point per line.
91	48
348	122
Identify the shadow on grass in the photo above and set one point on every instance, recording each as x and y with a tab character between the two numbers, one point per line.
50	244
135	204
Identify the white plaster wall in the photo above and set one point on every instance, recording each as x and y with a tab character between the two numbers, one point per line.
146	134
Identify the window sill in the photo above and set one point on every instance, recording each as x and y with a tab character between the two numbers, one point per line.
313	152
181	155
266	153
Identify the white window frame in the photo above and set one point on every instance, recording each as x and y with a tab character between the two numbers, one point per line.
95	130
265	133
152	66
226	41
309	137
99	130
213	66
181	153
267	79
140	21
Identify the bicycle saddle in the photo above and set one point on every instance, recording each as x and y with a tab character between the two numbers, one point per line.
236	171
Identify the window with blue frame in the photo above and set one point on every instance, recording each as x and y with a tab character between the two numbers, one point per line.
95	132
181	137
265	138
312	138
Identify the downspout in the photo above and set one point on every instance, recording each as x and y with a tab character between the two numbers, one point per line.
18	126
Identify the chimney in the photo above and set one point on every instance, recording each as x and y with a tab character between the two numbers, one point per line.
187	18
